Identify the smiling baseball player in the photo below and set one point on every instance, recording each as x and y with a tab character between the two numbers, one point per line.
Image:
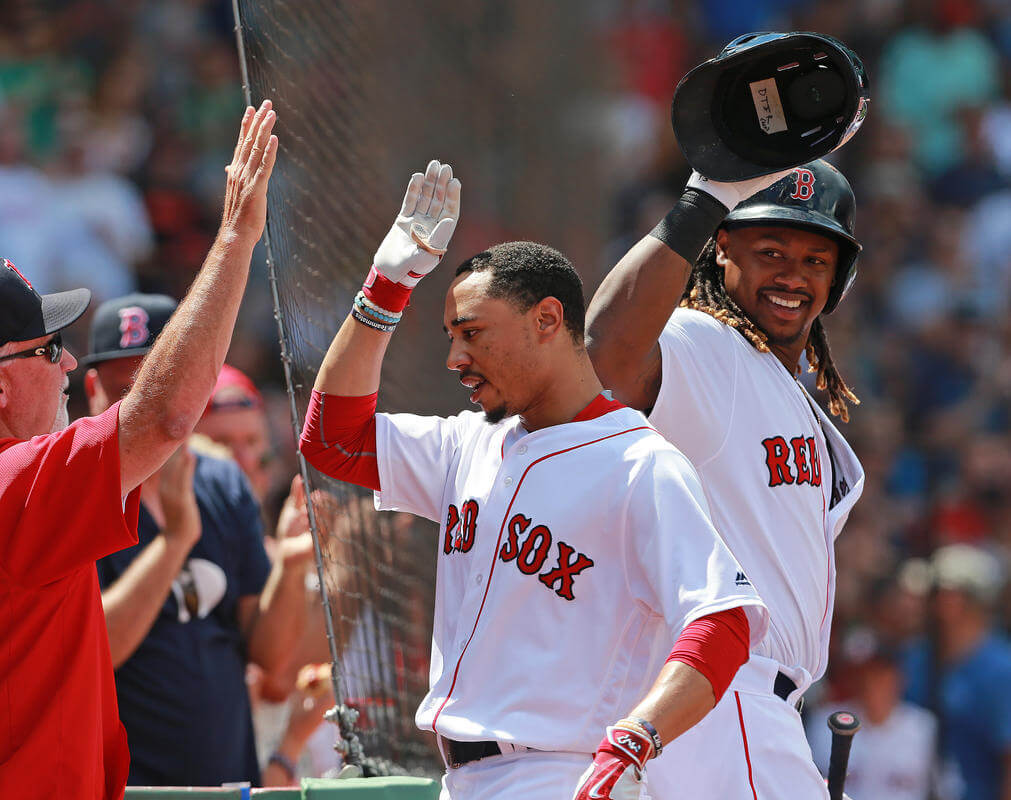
575	546
718	376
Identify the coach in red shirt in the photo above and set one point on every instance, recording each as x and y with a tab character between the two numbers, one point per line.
68	494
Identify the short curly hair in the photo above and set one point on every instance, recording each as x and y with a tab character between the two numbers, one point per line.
526	272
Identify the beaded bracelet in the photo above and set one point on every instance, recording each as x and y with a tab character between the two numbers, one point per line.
377	316
373	318
373	310
358	316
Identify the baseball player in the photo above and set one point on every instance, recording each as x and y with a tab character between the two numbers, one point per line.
574	543
704	325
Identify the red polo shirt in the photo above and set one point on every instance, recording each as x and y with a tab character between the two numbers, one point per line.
60	510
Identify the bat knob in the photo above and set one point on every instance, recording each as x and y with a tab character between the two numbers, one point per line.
844	723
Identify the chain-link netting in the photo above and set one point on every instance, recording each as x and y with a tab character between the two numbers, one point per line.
365	94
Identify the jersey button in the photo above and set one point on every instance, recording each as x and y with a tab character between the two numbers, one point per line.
478	579
521	449
508	481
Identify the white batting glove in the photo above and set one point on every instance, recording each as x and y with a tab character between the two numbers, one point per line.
730	194
422	230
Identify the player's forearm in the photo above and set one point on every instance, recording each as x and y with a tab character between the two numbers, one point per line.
280	618
703	662
628	312
178	375
680	698
132	603
354	361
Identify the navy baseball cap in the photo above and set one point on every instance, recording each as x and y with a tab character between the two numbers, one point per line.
127	326
25	314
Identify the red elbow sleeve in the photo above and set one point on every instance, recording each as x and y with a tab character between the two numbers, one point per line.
339	438
716	645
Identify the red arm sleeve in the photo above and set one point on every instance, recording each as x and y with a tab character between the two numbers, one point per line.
339	438
716	645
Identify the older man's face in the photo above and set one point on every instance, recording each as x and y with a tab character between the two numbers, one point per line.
35	390
245	432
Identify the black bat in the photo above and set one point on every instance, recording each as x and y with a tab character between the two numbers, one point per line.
843	725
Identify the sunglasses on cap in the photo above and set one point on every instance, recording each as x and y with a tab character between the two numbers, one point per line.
53	350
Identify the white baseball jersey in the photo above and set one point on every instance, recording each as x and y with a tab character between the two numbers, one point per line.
570	558
779	493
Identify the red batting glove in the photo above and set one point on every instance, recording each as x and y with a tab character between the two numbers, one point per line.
616	771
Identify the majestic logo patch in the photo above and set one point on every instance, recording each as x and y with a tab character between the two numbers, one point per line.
742	580
461	528
10	265
804	184
133	322
532	553
796	462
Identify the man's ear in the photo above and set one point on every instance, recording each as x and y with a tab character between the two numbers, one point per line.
722	241
91	383
5	389
95	392
549	317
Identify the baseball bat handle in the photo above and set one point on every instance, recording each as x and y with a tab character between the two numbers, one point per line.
843	725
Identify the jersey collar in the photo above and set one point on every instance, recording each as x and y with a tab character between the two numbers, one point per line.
602	404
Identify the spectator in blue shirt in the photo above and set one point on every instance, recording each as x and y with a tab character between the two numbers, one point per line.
195	598
964	674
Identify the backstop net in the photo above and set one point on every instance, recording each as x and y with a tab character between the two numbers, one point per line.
366	93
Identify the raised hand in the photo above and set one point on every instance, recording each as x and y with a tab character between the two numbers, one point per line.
178	502
249	173
730	194
422	230
294	539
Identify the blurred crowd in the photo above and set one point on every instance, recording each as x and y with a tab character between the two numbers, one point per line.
922	609
116	119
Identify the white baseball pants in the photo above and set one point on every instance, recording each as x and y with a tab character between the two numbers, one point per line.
751	746
532	775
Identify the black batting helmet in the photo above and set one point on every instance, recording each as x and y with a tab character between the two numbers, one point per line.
817	197
768	102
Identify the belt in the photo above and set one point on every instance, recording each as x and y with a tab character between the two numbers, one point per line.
460	753
784	687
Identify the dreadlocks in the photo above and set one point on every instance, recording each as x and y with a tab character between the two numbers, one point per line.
705	292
